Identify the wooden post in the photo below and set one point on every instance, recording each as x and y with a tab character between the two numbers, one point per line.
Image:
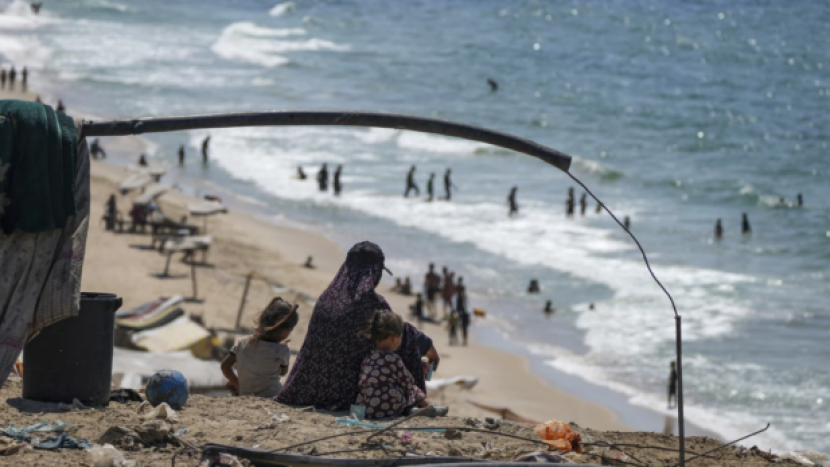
193	274
244	297
166	272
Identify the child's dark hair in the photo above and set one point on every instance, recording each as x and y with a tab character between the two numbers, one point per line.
385	323
277	317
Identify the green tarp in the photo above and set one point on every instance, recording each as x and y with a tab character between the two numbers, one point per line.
38	151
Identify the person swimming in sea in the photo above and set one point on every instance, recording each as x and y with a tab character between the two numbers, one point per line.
745	228
181	154
533	287
718	229
570	203
549	310
301	173
431	186
511	201
627	223
583	204
205	145
338	187
448	185
323	177
494	86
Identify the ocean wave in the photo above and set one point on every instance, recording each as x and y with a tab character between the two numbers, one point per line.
19	46
245	41
18	15
596	168
282	8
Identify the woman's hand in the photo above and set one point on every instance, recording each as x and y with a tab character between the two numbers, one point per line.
433	357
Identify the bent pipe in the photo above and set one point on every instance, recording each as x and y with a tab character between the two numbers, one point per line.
262	458
138	126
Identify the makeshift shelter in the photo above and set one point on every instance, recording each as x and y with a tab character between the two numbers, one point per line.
44	214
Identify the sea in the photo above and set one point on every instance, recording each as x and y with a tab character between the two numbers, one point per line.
676	113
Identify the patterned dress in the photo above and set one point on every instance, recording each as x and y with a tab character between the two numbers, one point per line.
386	386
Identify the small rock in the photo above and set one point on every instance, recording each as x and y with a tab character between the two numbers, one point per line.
239	437
455	452
452	434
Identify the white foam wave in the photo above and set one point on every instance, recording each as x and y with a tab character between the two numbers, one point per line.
420	141
245	41
282	8
438	144
18	41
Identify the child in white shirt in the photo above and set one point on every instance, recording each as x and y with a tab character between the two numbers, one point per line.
261	359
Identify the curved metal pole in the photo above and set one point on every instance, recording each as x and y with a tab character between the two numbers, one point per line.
138	126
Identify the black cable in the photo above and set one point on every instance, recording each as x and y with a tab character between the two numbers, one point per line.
642	251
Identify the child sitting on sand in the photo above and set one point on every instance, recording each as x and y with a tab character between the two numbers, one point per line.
387	388
262	358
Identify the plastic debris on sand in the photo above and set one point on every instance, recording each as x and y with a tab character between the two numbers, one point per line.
559	436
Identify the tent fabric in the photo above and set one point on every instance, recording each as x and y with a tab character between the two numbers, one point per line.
41	280
38	153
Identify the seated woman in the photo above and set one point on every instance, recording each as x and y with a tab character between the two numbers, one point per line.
327	369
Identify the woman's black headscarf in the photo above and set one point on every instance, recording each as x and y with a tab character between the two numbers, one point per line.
326	371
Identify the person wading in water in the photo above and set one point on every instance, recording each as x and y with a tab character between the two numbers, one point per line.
410	183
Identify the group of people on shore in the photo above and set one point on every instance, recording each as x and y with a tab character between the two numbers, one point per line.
357	351
10	77
453	294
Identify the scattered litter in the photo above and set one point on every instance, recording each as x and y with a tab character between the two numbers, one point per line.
75	405
357	411
804	457
123	396
559	436
487	449
162	411
108	456
64	441
275	420
23	434
406	437
214	459
148	434
182	431
543	457
492	423
464	382
454	452
350	421
452	434
9	447
474	422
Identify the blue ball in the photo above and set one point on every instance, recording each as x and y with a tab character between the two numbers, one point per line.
167	386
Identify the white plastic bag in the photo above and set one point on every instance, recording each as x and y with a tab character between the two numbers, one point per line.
108	456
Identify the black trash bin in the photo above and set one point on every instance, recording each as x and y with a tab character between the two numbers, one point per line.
73	358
